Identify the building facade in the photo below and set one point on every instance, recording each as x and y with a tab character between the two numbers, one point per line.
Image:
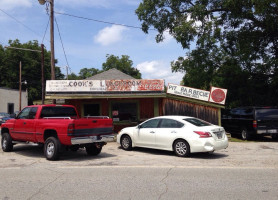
126	100
9	100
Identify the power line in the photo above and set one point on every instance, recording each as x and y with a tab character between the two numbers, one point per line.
100	21
19	22
45	30
62	42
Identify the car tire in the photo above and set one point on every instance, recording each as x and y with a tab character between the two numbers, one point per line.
126	142
181	148
6	142
93	150
52	148
245	135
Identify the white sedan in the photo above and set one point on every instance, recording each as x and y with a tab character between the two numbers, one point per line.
181	134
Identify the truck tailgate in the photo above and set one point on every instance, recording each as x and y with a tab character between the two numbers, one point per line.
91	127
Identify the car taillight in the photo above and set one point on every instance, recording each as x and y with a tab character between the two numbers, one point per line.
203	134
255	124
70	129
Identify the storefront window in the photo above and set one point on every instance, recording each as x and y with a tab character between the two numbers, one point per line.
124	112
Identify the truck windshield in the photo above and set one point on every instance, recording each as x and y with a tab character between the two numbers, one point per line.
58	111
267	113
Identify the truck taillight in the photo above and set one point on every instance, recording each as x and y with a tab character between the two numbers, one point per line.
255	124
203	134
70	129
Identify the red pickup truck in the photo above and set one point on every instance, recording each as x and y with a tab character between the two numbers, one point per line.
57	127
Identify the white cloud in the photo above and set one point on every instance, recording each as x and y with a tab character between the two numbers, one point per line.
110	35
11	4
159	70
96	3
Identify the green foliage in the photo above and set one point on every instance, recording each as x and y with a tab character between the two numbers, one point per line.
123	64
31	67
86	73
235	44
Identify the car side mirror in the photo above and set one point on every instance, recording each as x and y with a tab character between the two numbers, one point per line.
139	126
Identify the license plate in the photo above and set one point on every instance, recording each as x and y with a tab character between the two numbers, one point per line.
219	135
272	131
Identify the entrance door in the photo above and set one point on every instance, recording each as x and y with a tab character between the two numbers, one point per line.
91	110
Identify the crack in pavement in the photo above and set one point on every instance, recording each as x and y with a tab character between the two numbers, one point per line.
166	186
39	191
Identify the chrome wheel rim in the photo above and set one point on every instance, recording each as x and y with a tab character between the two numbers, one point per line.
243	134
4	143
50	149
125	143
181	148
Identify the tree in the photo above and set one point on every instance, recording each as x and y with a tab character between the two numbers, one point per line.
31	67
124	64
226	35
86	73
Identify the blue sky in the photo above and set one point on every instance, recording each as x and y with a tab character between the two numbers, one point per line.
87	42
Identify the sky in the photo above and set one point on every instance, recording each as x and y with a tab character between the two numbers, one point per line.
86	42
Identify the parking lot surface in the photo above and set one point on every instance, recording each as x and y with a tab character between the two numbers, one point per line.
238	154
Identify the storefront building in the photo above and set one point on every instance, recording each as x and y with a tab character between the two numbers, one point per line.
127	100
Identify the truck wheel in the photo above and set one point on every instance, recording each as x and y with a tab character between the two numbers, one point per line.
51	148
93	150
245	135
6	142
126	142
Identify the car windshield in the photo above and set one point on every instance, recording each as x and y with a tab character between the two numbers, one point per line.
267	113
197	122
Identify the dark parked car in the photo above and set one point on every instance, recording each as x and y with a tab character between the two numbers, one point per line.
4	117
251	121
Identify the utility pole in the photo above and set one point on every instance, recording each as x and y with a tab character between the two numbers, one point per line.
20	86
42	72
52	42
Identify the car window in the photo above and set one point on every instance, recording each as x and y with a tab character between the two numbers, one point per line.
170	123
197	122
58	111
24	113
153	123
33	113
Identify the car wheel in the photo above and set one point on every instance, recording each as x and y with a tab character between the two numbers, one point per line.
126	142
51	148
6	142
245	135
93	150
181	148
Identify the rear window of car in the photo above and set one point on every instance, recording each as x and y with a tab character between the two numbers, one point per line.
197	122
267	113
58	112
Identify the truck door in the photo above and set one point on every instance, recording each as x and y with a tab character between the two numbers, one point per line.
24	128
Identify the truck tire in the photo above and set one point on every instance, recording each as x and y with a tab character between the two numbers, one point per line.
51	148
93	150
6	142
245	135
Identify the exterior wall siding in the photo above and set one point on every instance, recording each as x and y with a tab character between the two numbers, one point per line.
12	96
176	107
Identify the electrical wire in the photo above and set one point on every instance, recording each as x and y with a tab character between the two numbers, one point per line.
100	21
20	22
45	30
62	43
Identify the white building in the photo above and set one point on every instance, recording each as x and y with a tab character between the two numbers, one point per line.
9	100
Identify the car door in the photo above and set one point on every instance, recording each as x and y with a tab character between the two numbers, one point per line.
145	136
24	128
167	133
